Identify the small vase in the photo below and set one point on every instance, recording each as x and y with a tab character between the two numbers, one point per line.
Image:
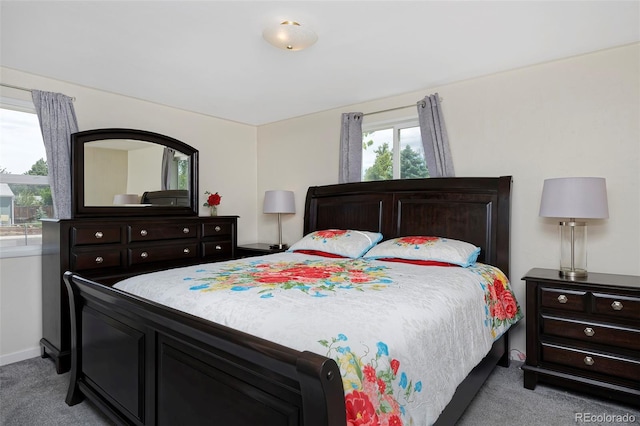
214	210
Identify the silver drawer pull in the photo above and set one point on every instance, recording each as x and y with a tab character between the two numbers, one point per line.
588	360
562	298
143	232
589	331
99	259
185	230
186	251
218	247
144	255
617	306
99	234
217	228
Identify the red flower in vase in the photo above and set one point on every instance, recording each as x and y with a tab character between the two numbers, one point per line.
212	199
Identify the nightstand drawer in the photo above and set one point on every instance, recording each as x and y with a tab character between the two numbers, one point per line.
592	361
591	332
563	299
617	306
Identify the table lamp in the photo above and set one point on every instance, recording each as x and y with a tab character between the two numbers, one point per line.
574	197
279	202
121	199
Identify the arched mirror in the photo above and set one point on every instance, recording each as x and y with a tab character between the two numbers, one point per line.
127	172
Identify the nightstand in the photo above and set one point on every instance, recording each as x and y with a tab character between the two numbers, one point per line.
584	334
256	249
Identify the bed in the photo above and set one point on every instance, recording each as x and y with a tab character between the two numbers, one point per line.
143	362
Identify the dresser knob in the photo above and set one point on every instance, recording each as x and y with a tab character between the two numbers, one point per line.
218	247
99	259
143	232
588	360
185	230
617	306
589	331
217	229
99	234
562	298
144	255
186	251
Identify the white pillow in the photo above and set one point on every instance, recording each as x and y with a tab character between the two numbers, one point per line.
426	248
343	242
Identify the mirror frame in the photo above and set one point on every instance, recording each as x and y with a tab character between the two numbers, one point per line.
78	208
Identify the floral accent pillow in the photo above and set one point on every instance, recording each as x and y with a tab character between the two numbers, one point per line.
436	249
343	242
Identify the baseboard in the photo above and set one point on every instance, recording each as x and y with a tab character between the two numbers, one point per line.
19	356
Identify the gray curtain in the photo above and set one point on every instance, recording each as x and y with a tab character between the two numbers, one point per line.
167	168
57	122
434	137
351	147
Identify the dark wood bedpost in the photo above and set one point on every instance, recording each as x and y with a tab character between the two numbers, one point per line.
74	395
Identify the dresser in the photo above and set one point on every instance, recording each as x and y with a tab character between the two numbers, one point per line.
584	334
107	250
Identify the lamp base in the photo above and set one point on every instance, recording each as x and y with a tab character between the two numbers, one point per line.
573	273
278	246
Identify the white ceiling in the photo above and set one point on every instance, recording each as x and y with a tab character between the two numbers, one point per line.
209	56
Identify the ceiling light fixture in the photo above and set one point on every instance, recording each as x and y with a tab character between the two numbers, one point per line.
290	35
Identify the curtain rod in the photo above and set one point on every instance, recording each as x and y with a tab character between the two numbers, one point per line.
24	88
396	108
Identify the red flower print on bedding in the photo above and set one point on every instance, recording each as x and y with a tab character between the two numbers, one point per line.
360	410
328	234
376	391
417	241
501	306
314	277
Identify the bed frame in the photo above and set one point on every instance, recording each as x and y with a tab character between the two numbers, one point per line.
146	364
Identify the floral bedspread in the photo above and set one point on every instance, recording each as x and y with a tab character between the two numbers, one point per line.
404	336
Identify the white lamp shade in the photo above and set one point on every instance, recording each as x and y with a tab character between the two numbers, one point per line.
278	201
290	35
119	199
575	197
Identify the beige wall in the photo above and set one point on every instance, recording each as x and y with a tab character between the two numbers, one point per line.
574	117
579	116
227	165
105	175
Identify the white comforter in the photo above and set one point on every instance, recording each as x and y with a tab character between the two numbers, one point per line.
403	335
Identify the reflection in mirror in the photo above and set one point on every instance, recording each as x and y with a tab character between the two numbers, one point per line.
114	168
129	172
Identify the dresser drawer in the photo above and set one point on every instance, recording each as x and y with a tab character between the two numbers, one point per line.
216	228
592	332
95	235
568	300
624	368
217	249
96	259
617	306
162	253
161	232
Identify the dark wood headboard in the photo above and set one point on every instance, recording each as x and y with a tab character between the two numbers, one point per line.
476	210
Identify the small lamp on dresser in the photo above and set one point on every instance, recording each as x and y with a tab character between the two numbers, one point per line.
574	197
279	202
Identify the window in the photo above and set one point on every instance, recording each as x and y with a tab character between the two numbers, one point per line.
393	151
25	195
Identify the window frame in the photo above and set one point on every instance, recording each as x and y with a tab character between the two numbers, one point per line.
31	249
396	125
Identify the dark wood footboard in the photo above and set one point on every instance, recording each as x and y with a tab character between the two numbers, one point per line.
143	363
